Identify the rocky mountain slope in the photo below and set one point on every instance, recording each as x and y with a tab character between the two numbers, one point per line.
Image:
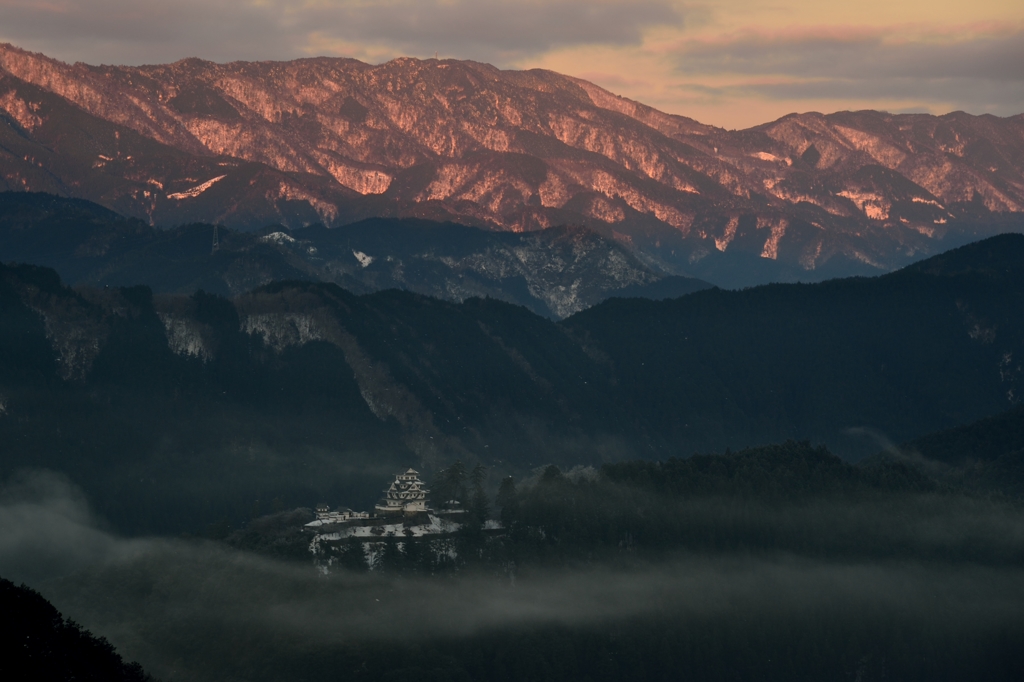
336	140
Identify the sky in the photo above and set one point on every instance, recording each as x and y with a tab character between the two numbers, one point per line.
731	63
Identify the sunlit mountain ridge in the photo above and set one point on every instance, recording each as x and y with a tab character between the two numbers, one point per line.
333	141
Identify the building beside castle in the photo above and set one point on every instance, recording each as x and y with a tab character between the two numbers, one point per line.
326	517
406	496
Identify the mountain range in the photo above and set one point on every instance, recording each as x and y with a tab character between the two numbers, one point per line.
334	141
554	272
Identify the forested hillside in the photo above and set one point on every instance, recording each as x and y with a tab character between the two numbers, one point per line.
933	345
179	411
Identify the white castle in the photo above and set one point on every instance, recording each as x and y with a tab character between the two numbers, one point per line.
402	514
406	495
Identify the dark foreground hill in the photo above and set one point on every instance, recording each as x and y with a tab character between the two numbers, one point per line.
985	457
38	643
554	273
986	440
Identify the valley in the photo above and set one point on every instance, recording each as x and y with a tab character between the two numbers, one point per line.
432	370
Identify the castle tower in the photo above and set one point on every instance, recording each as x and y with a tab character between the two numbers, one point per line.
406	495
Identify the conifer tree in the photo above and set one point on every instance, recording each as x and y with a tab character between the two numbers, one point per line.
451	485
418	556
479	508
508	501
391	558
353	556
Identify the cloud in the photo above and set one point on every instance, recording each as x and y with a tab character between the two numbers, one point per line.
860	54
47	529
979	70
509	27
126	31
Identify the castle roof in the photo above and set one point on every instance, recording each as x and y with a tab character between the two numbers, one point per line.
405	493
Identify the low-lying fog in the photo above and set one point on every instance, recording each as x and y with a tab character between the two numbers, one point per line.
174	604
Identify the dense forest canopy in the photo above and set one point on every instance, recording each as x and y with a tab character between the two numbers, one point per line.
300	391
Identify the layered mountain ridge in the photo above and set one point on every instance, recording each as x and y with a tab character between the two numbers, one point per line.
554	272
337	140
295	378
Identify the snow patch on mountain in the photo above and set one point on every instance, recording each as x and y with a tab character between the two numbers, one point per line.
881	151
722	243
362	180
197	190
20	110
278	238
771	245
327	211
280	330
185	337
874	206
75	336
767	156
